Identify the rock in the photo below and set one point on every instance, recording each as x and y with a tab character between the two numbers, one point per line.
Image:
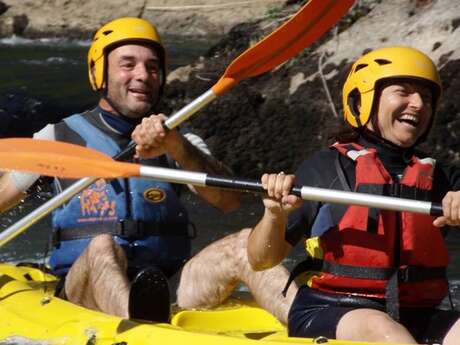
205	17
19	115
20	23
79	19
14	25
3	7
70	18
274	121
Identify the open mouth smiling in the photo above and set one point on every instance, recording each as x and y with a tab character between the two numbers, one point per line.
411	120
139	91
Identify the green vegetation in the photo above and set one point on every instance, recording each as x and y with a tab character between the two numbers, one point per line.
274	12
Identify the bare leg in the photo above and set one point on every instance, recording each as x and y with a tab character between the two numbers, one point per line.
211	276
97	280
373	326
453	335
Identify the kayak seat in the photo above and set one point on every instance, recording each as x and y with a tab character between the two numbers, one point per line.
251	322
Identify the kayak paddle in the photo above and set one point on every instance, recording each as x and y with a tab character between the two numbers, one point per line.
58	159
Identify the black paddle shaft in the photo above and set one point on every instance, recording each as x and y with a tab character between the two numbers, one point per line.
126	153
436	210
241	184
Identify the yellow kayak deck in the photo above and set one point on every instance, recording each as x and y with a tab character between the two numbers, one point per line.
28	310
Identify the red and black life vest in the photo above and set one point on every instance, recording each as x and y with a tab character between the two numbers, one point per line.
400	256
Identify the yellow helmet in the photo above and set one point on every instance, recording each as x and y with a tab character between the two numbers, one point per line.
382	64
115	33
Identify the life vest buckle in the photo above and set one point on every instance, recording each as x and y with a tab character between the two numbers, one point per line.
132	229
405	274
410	274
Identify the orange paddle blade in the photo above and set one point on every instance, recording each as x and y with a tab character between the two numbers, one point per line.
14	145
59	159
304	28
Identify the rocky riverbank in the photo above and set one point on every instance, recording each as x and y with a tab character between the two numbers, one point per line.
79	19
272	122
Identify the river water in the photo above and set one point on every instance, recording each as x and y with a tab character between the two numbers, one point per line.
56	71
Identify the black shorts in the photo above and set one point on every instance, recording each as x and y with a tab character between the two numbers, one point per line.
314	314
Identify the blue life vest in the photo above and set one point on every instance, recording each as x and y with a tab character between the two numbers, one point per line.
152	204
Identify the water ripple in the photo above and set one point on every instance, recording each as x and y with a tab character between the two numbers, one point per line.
62	42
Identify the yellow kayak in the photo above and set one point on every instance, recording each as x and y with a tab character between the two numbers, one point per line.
29	311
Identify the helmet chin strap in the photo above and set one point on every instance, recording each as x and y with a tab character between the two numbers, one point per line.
376	138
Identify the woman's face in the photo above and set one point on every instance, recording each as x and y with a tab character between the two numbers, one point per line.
404	113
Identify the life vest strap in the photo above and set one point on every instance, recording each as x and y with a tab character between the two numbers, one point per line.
127	229
310	264
359	272
407	274
393	276
397	190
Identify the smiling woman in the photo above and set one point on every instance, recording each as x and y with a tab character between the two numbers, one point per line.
404	113
363	290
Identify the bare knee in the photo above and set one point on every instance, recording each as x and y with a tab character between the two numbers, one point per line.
104	246
89	265
453	335
100	243
211	275
372	325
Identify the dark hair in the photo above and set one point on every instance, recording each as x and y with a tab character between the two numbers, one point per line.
343	133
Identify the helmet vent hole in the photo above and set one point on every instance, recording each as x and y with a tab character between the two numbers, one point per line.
360	66
382	61
108	32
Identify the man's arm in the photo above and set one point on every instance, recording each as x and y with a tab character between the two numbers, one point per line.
190	157
153	140
10	193
267	246
14	184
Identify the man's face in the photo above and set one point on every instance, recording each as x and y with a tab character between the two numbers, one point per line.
404	113
133	79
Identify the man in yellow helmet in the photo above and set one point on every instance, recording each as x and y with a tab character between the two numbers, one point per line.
380	275
118	240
